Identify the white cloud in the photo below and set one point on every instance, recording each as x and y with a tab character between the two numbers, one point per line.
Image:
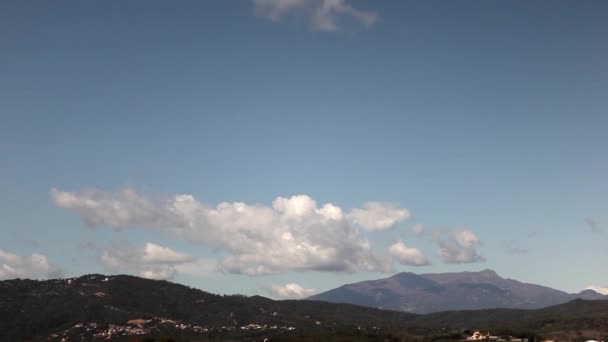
599	289
158	273
324	14
155	254
407	255
196	267
151	261
459	247
35	266
378	215
325	17
126	208
294	234
295	207
289	291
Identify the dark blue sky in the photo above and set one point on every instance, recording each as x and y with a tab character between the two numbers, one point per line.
485	116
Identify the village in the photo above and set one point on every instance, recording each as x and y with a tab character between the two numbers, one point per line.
486	336
481	336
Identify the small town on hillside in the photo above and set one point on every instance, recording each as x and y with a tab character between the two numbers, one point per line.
481	336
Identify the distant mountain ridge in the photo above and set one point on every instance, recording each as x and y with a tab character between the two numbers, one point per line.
433	292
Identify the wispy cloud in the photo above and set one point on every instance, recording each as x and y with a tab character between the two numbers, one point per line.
294	234
323	15
152	261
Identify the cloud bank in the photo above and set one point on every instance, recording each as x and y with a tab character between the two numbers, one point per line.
293	234
289	291
35	266
323	15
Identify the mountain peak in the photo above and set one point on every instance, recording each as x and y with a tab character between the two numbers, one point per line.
488	272
432	292
590	294
589	291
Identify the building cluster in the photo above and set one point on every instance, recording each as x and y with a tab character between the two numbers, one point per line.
141	327
486	336
265	327
481	336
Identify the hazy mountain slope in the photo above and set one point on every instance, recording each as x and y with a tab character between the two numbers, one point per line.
426	293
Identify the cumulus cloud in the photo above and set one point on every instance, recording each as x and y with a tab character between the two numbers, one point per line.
294	234
407	255
595	227
324	15
599	289
35	266
289	291
155	254
459	247
378	215
123	209
151	261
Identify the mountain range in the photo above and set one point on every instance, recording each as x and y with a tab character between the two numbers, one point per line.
125	308
434	292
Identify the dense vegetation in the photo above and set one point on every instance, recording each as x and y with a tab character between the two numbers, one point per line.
38	309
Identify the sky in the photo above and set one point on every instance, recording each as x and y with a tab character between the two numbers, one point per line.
286	147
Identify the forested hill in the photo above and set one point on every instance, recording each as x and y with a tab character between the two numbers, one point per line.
131	308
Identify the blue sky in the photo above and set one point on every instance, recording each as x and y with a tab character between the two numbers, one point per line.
483	122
